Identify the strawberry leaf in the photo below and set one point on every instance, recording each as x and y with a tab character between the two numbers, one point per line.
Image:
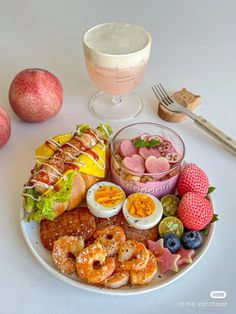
214	218
211	189
205	231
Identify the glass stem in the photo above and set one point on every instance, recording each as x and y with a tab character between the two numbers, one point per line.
116	99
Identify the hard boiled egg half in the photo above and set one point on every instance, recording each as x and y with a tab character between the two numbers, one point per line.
142	211
105	199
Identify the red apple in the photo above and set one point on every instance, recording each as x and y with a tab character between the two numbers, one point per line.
35	95
5	127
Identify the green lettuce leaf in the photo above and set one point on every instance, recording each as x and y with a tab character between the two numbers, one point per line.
106	130
45	207
30	203
82	127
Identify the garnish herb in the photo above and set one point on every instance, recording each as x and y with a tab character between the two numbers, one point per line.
149	144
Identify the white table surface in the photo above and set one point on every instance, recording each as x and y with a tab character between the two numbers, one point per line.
194	46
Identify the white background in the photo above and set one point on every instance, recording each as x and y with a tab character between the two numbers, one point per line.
194	46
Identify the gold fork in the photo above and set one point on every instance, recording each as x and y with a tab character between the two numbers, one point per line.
169	103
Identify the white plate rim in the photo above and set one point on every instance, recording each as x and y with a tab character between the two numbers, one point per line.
115	292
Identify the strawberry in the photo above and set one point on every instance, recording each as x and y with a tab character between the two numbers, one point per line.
192	179
195	211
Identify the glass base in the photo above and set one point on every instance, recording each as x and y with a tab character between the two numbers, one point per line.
119	108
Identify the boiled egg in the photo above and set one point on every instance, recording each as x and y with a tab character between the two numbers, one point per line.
142	211
105	199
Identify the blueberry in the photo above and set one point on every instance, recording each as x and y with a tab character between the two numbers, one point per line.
191	240
171	242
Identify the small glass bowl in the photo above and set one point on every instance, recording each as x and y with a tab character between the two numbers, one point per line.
157	184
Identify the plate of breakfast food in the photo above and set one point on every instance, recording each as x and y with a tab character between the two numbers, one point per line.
118	217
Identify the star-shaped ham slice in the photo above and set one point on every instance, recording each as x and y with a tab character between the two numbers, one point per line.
185	256
156	247
167	261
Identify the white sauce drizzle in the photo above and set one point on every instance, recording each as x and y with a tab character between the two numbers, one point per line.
69	154
101	167
31	196
45	185
76	148
53	168
53	142
96	136
28	187
105	129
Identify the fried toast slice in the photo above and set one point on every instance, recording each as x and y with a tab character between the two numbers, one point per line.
76	222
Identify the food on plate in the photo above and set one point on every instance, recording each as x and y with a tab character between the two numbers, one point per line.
185	98
156	246
156	165
110	238
195	211
130	232
146	154
35	95
99	242
134	163
167	261
191	239
116	280
171	224
148	162
65	169
185	256
127	149
192	179
146	274
97	264
170	204
93	264
5	127
105	199
62	249
133	255
78	222
142	211
171	242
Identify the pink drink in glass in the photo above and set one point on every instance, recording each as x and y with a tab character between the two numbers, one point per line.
116	81
116	57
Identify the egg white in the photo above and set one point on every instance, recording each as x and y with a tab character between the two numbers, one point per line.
97	209
144	223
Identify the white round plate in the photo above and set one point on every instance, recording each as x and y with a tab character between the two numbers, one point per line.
31	235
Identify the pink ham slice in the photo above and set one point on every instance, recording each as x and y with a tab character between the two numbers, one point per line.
146	152
134	163
127	149
156	165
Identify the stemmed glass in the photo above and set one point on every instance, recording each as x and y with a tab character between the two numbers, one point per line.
116	57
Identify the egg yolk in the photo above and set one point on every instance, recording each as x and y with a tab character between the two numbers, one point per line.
109	196
140	205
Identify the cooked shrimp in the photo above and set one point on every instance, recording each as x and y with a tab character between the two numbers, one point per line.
110	238
117	280
62	249
145	275
133	255
93	264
